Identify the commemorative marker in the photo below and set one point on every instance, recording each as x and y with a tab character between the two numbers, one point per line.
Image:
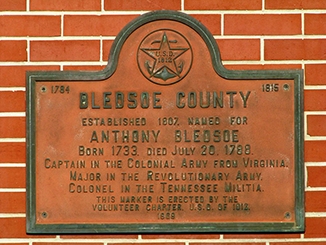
165	139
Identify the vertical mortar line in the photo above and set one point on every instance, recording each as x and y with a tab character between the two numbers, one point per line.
101	48
27	5
262	54
182	5
306	177
262	5
302	24
102	5
62	24
28	50
302	236
139	237
305	127
221	236
222	24
61	67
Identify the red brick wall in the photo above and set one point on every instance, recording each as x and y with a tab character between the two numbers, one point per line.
77	34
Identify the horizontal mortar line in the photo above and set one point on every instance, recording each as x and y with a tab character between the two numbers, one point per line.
140	12
259	62
315	214
116	240
276	62
315	87
53	63
153	241
259	11
12	89
12	189
270	37
83	240
59	13
315	189
315	138
12	165
12	215
12	114
315	164
321	113
161	240
57	38
12	140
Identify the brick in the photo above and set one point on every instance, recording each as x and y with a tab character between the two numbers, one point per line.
15	76
315	24
264	67
30	25
297	243
83	68
12	177
315	74
222	5
232	243
239	49
12	127
181	236
100	236
168	243
63	5
107	44
13	50
12	101
316	177
15	228
315	151
315	100
295	49
14	243
12	202
141	5
69	243
269	24
315	201
76	50
316	125
295	4
261	236
211	21
315	227
12	5
12	152
92	25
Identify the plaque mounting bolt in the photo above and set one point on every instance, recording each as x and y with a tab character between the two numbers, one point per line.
43	89
287	215
44	215
286	87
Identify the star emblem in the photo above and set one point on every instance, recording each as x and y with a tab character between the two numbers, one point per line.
164	57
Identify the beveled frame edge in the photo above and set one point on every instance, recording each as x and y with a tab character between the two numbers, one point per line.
33	77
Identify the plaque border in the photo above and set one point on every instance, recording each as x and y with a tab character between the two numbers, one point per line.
236	227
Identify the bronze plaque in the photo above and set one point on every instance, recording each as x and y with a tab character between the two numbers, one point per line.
165	139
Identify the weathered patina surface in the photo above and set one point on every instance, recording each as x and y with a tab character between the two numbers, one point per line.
165	139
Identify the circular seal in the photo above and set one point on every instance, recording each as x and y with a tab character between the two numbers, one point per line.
164	57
